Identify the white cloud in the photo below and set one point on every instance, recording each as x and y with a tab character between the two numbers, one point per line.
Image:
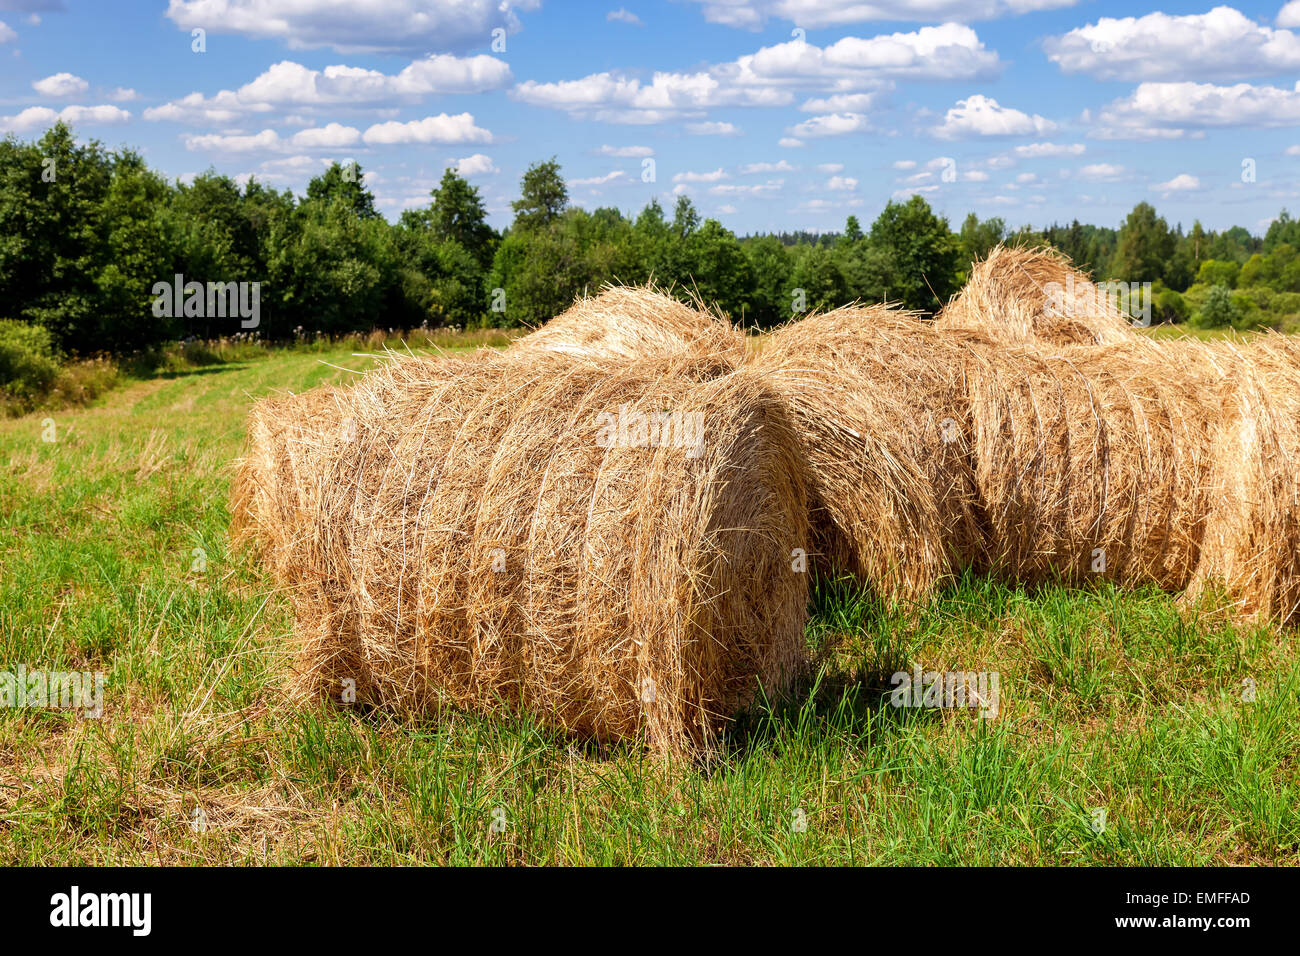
1289	15
390	26
727	209
625	152
950	51
979	115
609	177
1180	183
604	96
851	70
778	167
1101	173
713	129
813	14
833	124
623	15
842	184
42	117
1165	110
1293	150
290	84
330	136
266	140
122	94
842	102
7	33
789	142
831	167
476	165
905	164
432	129
692	177
1223	44
975	176
61	84
1049	150
771	187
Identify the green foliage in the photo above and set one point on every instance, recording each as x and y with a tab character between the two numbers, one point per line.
923	253
1218	310
1216	272
1170	306
544	196
29	363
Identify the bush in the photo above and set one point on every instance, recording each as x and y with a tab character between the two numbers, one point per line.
1218	310
1171	307
29	364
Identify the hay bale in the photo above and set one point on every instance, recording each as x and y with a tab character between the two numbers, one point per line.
1252	546
877	398
1027	296
1094	462
634	323
491	540
276	485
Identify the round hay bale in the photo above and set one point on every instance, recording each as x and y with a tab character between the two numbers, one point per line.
877	398
611	548
1019	295
1093	462
276	485
628	322
1252	546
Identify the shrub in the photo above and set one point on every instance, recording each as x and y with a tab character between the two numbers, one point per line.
29	364
1218	310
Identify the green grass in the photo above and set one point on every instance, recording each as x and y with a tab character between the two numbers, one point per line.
1108	700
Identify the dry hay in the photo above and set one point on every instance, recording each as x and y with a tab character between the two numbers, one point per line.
637	323
1252	549
877	397
1094	462
1019	295
276	486
486	540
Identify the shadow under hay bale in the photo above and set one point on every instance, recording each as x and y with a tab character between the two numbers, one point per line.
608	547
1031	296
632	323
877	397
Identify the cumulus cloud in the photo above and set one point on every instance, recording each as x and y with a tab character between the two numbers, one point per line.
842	184
1289	15
1168	110
476	165
814	14
980	115
1183	182
833	124
393	26
7	33
290	85
42	117
781	166
1101	173
61	84
851	70
442	128
1223	44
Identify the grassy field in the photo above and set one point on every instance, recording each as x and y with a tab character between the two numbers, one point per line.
113	557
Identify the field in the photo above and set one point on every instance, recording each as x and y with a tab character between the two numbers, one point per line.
113	558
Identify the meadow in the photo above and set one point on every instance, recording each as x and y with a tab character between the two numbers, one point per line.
1180	725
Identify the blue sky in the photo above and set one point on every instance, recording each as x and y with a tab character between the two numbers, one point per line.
771	114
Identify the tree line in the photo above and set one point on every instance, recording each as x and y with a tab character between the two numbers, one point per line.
89	235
